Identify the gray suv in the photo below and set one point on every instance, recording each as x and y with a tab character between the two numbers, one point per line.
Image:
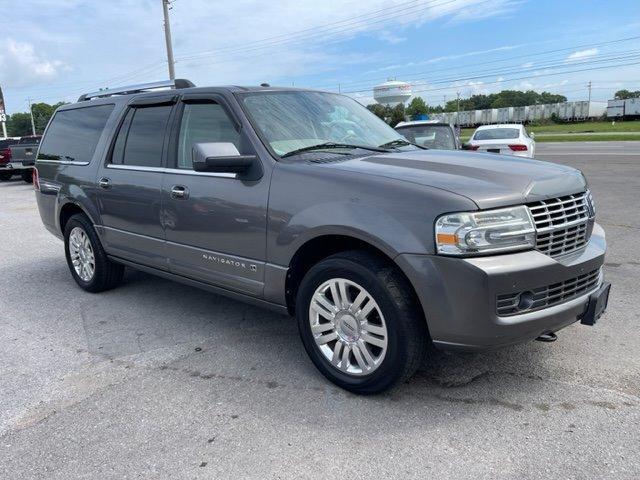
306	203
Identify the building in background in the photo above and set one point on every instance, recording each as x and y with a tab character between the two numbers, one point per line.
392	93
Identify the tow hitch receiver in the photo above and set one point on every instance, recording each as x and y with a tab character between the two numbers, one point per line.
547	337
598	301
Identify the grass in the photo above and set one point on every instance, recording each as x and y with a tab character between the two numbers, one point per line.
606	131
610	137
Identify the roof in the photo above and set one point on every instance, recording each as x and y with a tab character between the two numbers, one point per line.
179	84
500	125
421	122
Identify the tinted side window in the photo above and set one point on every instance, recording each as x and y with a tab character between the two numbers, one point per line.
73	134
141	137
201	123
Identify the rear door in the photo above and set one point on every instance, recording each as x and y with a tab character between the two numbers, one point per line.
129	184
216	225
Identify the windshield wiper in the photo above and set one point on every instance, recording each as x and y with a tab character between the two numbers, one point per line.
399	142
326	145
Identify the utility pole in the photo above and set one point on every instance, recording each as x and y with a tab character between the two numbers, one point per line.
33	124
589	86
458	110
3	115
167	37
444	102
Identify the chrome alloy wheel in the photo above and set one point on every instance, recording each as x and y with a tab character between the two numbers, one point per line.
81	253
348	326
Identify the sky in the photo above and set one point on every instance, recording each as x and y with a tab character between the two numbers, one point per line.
54	51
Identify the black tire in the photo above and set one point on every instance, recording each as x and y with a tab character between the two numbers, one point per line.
5	176
407	333
107	274
27	176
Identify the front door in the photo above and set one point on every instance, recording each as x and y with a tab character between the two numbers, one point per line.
215	223
129	185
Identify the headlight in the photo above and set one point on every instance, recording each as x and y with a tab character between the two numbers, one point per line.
490	231
591	204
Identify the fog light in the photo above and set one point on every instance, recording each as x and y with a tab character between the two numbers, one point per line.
525	300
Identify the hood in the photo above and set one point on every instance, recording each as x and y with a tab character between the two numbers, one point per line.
489	180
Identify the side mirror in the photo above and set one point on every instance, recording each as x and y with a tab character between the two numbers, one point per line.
532	135
221	157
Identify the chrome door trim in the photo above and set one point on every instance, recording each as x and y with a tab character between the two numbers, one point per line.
62	162
138	168
176	171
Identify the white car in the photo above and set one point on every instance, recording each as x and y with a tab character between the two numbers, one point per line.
508	139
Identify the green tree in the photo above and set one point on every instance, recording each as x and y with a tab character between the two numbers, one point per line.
19	124
624	94
380	110
392	116
505	98
397	115
416	107
42	112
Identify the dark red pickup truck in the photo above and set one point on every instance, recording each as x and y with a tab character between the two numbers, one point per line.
17	157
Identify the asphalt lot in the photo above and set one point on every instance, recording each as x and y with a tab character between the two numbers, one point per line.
158	380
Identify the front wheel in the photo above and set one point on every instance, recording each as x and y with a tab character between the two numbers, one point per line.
360	322
88	262
5	176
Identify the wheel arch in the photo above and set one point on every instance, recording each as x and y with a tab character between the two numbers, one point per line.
69	209
322	246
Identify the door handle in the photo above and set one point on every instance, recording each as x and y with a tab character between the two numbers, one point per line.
179	192
104	182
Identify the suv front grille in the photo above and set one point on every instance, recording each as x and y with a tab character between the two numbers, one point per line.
561	223
543	297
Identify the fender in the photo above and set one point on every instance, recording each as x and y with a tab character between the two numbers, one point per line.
352	219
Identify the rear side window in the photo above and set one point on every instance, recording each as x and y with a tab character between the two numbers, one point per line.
497	134
141	137
73	134
203	123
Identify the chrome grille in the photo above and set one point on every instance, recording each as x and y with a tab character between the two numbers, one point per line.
561	223
543	297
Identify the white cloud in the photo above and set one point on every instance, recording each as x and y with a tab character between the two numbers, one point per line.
390	37
445	58
21	65
582	54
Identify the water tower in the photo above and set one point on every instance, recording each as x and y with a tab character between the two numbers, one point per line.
392	93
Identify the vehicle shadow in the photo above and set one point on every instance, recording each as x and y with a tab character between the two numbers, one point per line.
233	340
13	182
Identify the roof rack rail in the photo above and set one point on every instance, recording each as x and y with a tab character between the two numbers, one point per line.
142	87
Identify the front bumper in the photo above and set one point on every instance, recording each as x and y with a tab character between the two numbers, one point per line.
458	295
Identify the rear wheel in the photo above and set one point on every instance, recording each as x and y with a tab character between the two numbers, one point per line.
27	176
5	176
89	265
360	323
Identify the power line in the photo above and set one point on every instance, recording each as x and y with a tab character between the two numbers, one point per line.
538	76
292	38
500	60
515	70
296	34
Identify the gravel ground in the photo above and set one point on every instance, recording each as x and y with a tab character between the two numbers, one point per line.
158	380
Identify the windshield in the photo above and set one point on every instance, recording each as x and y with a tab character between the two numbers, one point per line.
430	136
290	121
496	134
